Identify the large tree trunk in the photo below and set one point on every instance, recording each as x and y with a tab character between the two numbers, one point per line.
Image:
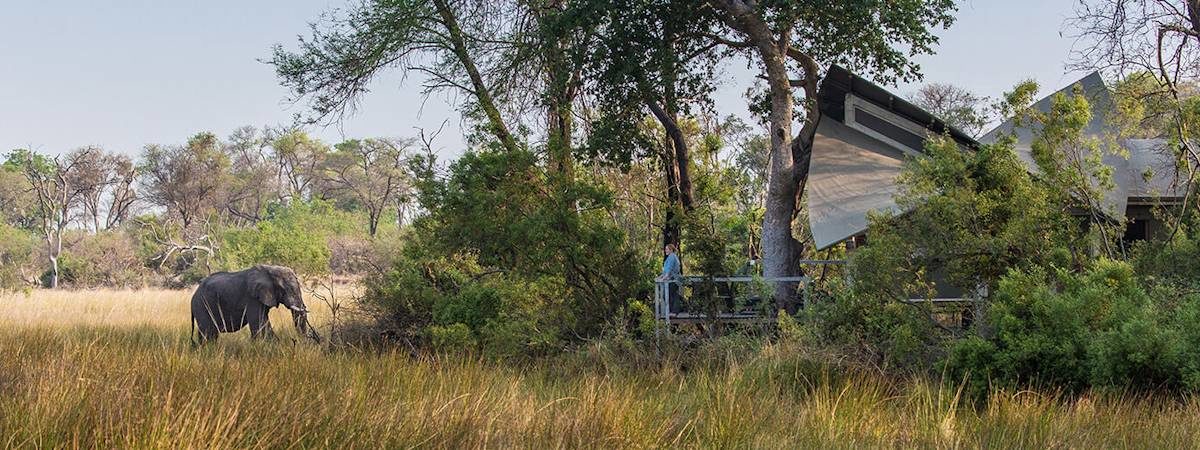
780	250
559	142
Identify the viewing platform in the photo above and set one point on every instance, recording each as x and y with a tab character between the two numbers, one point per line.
738	298
746	299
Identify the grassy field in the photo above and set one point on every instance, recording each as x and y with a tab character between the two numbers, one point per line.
114	369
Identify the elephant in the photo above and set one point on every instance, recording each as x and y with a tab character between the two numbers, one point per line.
227	301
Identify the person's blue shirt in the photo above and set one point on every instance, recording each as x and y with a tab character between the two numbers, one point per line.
671	269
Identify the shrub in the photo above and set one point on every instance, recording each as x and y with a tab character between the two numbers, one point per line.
1170	262
294	235
874	330
425	295
1078	330
451	338
16	256
107	258
503	208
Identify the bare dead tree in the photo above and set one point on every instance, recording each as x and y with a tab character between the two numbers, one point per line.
171	245
105	181
122	196
49	179
957	106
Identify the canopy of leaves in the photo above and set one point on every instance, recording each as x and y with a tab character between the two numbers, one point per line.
645	51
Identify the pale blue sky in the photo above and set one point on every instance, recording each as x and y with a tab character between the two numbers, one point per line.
124	73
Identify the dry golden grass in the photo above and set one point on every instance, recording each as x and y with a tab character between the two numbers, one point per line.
114	370
162	308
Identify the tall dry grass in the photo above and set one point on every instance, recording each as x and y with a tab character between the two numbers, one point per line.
79	383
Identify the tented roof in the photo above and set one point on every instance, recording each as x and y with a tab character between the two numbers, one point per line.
1091	87
849	175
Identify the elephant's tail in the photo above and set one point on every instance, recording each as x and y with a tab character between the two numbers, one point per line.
192	334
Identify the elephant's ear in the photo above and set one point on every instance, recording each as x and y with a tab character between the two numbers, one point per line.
263	286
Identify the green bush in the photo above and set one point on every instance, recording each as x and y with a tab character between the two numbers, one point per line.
404	296
874	330
1099	328
1170	262
16	256
295	235
452	338
423	294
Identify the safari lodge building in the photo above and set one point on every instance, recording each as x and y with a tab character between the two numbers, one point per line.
866	133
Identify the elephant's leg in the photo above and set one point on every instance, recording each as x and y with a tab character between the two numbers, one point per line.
260	327
207	329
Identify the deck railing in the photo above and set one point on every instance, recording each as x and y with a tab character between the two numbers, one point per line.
663	314
727	288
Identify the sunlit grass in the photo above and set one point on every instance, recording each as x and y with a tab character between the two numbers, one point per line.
160	308
73	374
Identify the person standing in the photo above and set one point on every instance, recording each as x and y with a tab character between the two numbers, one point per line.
672	274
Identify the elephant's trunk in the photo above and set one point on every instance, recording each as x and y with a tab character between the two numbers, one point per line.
300	318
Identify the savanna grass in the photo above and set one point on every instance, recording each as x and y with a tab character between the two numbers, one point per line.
70	384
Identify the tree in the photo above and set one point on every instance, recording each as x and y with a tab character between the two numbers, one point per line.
958	107
187	180
439	38
16	197
650	58
372	172
876	38
1072	162
106	184
55	197
298	160
253	181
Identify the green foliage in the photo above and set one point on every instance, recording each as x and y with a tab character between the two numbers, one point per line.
1173	262
424	294
501	255
629	34
16	252
971	216
796	332
1077	330
505	209
17	202
294	235
857	36
872	330
451	338
643	316
1143	109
